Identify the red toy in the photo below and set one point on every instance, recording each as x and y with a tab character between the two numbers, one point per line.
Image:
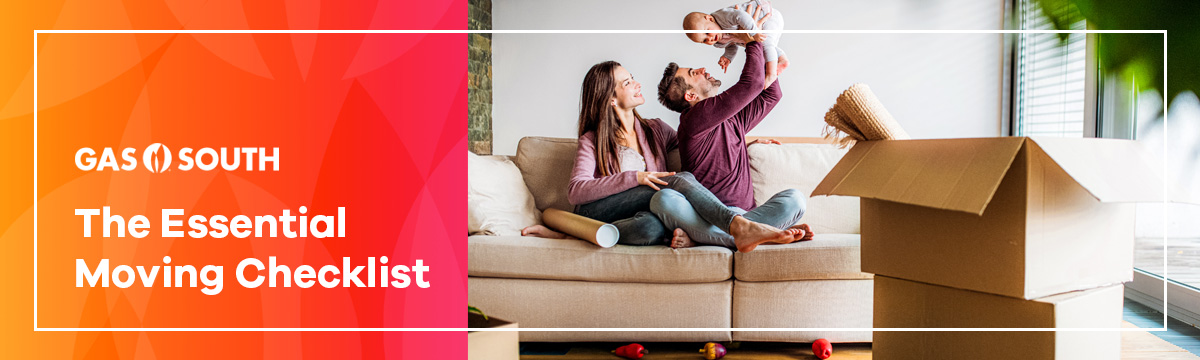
822	349
632	351
713	351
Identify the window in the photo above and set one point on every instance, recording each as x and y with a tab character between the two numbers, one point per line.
1050	73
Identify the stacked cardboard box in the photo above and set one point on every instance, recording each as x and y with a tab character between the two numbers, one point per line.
491	345
997	233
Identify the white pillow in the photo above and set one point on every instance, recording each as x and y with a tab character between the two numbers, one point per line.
775	168
498	203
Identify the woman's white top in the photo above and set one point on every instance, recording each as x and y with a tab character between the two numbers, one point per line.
630	159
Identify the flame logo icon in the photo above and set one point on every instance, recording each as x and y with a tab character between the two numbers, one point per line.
157	158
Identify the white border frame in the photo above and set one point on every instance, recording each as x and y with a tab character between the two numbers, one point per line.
303	329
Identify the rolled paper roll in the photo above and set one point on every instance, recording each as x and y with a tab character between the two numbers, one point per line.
594	231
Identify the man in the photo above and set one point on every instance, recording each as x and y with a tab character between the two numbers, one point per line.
712	133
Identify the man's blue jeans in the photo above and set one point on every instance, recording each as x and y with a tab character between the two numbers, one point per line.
644	216
783	210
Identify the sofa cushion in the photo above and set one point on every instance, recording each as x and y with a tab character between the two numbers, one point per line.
775	168
546	164
827	256
528	257
803	304
498	202
673	161
580	304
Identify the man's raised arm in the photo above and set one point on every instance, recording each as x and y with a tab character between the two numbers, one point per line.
758	108
729	103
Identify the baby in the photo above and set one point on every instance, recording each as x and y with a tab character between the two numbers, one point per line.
735	18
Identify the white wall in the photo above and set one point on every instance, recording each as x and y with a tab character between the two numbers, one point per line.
936	85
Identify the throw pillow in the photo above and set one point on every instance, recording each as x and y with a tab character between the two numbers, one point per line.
498	203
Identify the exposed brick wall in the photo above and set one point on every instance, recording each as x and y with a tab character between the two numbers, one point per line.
479	78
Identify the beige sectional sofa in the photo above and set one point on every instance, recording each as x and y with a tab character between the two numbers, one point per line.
548	283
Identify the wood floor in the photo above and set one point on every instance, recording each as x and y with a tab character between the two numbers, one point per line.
690	351
1134	346
1178	333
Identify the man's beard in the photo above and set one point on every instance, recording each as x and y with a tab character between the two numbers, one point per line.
713	85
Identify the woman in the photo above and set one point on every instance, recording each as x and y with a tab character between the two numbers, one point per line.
620	165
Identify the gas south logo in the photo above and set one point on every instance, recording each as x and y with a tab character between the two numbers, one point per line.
157	158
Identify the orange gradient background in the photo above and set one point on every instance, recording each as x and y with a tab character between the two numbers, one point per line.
369	122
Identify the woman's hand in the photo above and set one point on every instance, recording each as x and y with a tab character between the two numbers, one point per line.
649	178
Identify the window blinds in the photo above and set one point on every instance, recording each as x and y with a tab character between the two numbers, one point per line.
1050	73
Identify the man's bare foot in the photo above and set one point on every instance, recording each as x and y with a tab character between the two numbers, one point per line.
544	232
681	240
805	232
794	235
748	235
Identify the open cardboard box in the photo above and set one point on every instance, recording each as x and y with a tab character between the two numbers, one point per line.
909	304
1020	217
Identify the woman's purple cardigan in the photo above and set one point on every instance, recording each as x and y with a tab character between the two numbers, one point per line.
587	185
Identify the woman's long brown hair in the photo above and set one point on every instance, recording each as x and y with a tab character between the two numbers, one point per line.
597	114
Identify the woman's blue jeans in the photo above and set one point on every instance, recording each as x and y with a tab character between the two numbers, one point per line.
629	211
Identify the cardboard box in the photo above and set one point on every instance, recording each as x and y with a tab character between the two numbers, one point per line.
908	304
1014	216
492	345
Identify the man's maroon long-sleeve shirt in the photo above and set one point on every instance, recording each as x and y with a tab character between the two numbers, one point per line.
712	133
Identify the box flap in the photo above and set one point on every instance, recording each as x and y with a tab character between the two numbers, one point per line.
1112	170
842	169
950	174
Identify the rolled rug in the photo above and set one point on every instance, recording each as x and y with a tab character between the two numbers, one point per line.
593	231
859	115
838	128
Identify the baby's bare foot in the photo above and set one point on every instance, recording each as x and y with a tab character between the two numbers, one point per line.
544	232
681	240
748	235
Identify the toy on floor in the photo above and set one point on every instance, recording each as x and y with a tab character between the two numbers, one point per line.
713	351
631	351
822	349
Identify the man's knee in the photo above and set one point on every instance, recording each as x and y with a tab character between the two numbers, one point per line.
792	201
666	200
